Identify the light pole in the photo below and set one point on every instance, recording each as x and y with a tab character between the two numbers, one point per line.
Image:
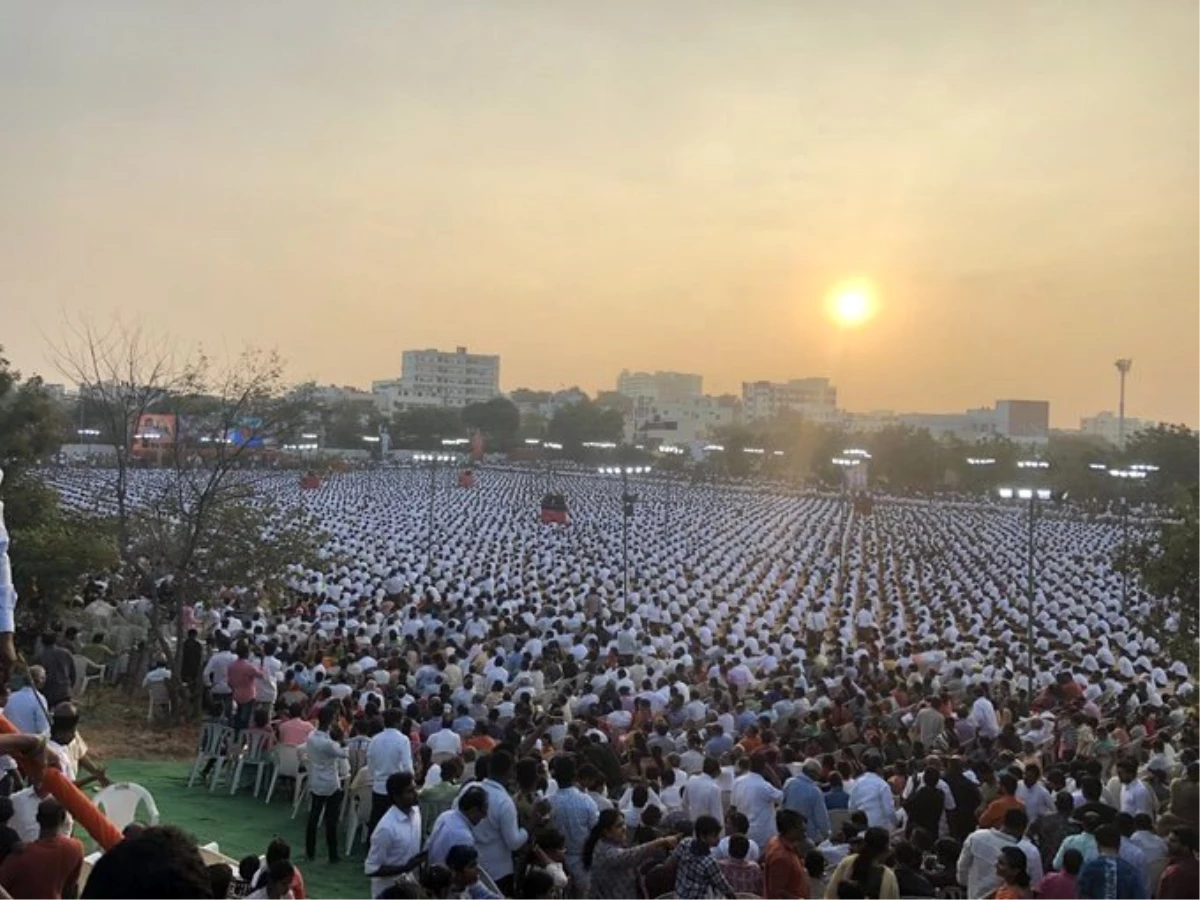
1134	473
669	450
433	459
1123	367
627	504
1033	495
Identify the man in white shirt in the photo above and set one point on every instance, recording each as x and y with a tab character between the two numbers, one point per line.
702	794
873	795
216	675
27	708
983	715
455	826
758	799
977	861
389	753
498	835
1034	794
1129	793
445	743
396	840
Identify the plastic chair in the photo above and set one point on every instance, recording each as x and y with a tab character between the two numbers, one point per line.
86	672
256	753
119	802
215	739
359	816
289	765
158	697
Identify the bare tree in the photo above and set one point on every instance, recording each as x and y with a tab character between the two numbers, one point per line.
202	523
124	372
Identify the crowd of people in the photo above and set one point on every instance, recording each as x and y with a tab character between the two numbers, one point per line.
794	697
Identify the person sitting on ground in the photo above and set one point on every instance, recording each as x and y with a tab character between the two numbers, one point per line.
220	878
276	882
277	850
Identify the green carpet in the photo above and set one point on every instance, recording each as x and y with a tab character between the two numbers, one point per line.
242	825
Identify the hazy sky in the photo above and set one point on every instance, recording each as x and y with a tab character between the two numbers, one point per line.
583	186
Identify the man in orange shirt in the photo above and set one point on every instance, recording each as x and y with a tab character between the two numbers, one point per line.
785	875
49	866
993	816
481	741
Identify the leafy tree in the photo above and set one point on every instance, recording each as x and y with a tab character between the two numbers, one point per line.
424	427
51	549
572	425
1169	566
1175	449
498	419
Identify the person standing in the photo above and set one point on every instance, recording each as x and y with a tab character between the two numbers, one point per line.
1181	877
803	795
243	676
60	669
325	784
873	795
1108	877
784	872
396	840
388	753
499	834
27	708
216	677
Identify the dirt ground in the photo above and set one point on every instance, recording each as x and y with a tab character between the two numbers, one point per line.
115	727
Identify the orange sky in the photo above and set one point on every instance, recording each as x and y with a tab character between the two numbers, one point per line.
583	187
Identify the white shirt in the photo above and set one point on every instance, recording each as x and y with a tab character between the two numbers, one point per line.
388	753
873	796
499	833
323	756
26	709
983	717
1037	800
266	689
702	797
758	798
396	840
444	742
216	672
450	829
977	862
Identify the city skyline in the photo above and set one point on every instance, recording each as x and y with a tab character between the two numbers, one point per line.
582	190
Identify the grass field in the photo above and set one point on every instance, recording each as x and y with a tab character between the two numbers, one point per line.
242	825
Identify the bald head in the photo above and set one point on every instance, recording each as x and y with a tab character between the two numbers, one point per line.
37	676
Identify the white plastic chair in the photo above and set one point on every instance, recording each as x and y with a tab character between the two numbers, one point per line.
158	697
214	742
359	817
119	802
289	765
254	753
86	672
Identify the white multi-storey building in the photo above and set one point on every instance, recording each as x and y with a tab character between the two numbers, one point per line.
435	378
682	421
660	387
815	398
1107	426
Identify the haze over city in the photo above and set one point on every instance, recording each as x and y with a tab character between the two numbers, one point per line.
583	188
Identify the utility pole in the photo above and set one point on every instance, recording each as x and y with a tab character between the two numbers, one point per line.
1123	367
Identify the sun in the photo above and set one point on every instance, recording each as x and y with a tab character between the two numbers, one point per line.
852	303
